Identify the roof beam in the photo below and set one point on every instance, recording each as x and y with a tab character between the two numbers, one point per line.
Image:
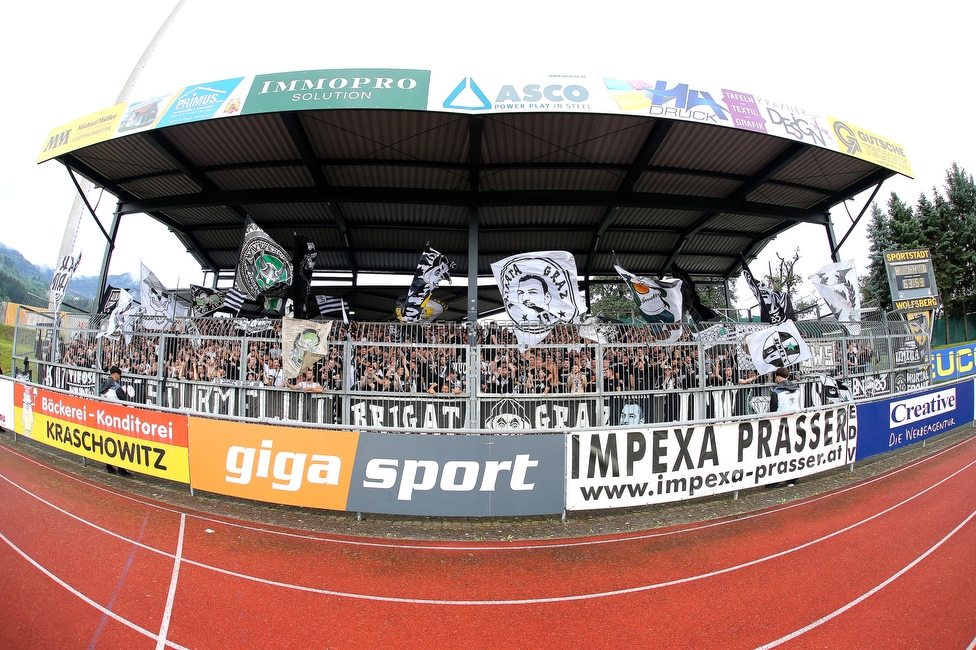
580	198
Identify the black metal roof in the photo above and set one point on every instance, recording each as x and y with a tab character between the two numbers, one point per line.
372	187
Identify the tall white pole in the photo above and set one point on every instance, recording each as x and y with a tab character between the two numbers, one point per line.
78	207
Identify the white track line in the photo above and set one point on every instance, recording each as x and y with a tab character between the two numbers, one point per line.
473	547
868	594
107	612
167	613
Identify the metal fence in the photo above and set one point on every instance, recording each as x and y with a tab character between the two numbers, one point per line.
459	377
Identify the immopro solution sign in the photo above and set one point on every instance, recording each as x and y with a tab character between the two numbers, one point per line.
348	88
894	423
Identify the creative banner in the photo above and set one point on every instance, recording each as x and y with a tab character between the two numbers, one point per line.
140	440
617	469
458	476
298	467
907	419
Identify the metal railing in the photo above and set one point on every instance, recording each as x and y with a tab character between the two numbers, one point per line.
452	376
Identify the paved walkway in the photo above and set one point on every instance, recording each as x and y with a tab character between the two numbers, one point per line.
577	524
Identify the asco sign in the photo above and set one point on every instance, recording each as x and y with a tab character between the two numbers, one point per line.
894	423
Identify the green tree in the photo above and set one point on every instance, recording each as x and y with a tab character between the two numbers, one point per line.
951	237
875	288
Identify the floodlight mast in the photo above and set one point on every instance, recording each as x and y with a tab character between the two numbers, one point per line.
79	207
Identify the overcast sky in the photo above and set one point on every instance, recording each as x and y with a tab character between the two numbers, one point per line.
903	74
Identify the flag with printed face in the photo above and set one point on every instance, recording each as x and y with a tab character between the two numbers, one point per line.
837	285
59	282
205	300
775	347
304	269
430	310
303	342
432	269
657	301
263	267
540	290
774	306
158	304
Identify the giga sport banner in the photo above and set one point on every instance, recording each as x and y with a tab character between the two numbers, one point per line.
624	468
145	441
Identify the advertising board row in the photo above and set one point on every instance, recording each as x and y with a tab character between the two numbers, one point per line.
474	94
477	475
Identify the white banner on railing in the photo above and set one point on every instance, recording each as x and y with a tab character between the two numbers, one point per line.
624	468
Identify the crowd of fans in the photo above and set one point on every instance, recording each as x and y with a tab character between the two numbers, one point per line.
417	359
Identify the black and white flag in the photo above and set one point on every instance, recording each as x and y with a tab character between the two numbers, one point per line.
234	300
59	282
539	290
777	347
657	301
263	267
693	304
304	269
330	305
205	300
158	304
116	323
432	269
837	285
774	306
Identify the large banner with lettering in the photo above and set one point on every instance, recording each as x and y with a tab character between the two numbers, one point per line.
6	403
458	476
426	412
894	423
957	361
299	467
140	440
641	466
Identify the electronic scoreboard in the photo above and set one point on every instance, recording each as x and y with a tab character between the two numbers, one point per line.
911	278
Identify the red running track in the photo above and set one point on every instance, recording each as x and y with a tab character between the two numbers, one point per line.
888	563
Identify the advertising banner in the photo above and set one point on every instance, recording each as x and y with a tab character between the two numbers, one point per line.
518	92
204	101
894	423
82	132
348	88
458	476
144	441
863	144
617	469
6	403
297	467
426	412
950	363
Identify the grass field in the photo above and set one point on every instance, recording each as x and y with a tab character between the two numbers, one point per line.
6	347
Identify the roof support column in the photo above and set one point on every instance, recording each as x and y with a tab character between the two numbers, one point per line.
107	258
473	223
831	239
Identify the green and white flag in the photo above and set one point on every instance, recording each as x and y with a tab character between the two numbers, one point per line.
263	267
